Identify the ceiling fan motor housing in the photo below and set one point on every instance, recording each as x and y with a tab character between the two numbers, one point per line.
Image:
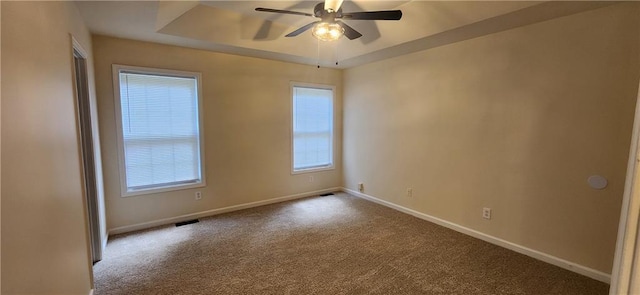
326	15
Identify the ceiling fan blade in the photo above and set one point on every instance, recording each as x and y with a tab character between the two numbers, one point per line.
301	29
374	15
332	4
349	32
282	11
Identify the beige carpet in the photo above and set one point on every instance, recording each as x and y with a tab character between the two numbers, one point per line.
322	245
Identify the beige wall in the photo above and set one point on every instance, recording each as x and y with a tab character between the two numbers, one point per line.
516	121
246	129
44	234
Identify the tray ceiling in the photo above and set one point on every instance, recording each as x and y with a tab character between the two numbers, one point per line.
235	27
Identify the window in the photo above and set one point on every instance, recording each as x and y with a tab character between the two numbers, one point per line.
159	132
312	127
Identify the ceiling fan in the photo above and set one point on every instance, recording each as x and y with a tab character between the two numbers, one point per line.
328	28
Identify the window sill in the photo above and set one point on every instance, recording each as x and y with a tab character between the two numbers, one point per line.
163	189
310	170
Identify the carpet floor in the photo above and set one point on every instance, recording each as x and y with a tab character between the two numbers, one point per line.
336	244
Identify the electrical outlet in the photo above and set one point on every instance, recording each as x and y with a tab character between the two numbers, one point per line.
409	192
361	187
198	195
486	213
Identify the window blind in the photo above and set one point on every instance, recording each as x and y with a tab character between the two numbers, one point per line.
160	130
312	128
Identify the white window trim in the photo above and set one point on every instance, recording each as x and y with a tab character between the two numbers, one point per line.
333	126
120	140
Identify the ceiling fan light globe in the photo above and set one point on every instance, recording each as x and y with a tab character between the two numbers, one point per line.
327	31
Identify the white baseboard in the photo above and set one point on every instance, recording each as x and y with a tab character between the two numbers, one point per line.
91	292
574	267
164	221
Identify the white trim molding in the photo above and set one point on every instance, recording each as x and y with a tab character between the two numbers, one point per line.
165	221
625	278
568	265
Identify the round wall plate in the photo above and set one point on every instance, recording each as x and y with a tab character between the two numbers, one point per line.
597	182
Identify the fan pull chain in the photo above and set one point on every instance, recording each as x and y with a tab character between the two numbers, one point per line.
337	43
318	53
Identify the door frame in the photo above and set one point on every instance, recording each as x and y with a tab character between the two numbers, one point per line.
625	275
86	145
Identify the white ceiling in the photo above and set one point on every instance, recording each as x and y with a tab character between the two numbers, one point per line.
235	27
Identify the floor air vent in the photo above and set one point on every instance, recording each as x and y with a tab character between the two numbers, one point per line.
327	194
187	222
